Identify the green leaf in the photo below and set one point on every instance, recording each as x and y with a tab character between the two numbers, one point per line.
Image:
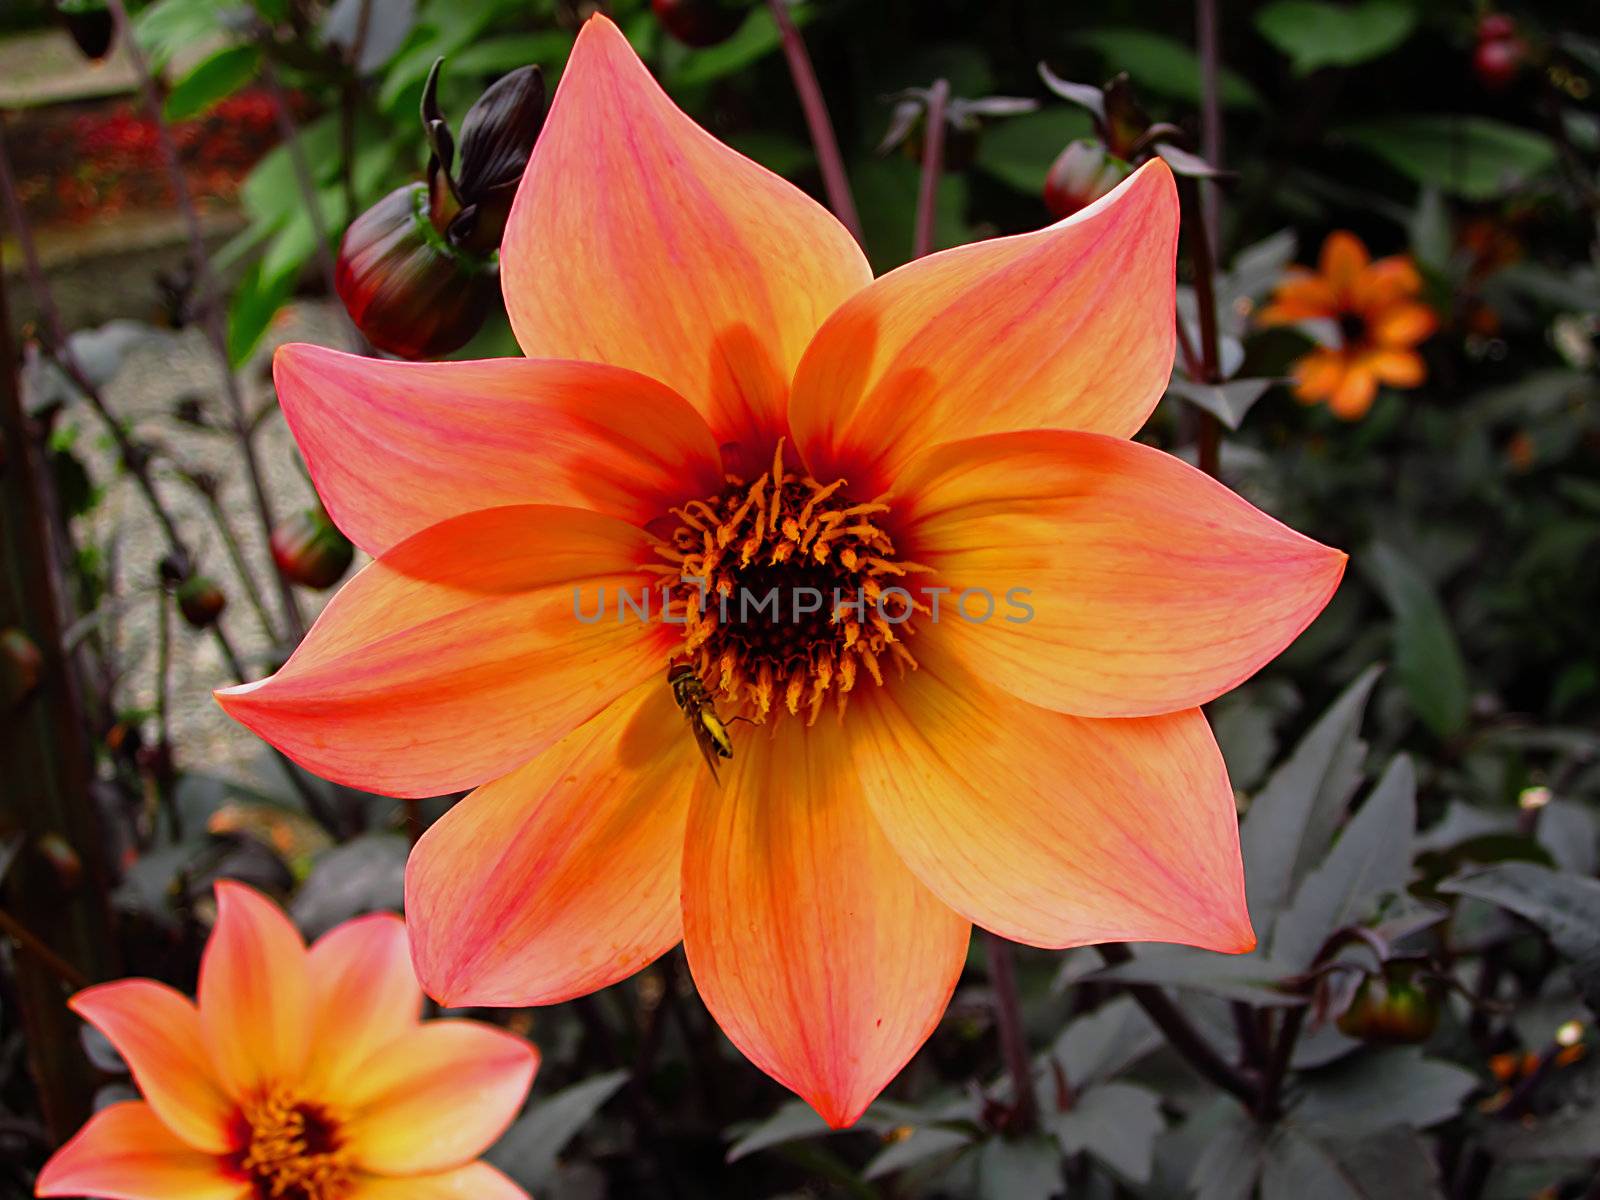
255	301
1574	1133
921	1145
1291	820
528	1150
1019	150
1252	978
777	152
794	1121
215	78
1368	1093
497	55
1427	658
886	191
366	874
1021	1169
1118	1123
1371	858
1164	66
1315	34
1229	402
1386	1165
1231	1161
168	26
1565	906
755	39
1473	157
1099	1044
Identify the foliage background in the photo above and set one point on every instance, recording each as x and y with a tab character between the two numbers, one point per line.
1424	763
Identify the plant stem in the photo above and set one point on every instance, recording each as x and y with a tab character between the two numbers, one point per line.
1205	295
1008	1022
46	957
1210	100
312	199
230	542
809	91
1278	1064
134	459
932	167
210	302
1183	1037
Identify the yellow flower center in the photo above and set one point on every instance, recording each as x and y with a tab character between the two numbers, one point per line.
292	1150
788	590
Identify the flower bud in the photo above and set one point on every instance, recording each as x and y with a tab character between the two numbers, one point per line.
406	288
200	601
20	666
1081	174
497	137
310	551
1397	1006
698	23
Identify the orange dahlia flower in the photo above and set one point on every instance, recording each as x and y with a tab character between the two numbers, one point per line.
300	1074
717	389
1377	323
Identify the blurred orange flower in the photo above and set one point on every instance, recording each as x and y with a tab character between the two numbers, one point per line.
300	1074
1378	322
719	396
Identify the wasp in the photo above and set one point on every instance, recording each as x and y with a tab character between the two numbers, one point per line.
709	730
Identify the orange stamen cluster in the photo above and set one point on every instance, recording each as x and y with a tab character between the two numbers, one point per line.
788	535
291	1150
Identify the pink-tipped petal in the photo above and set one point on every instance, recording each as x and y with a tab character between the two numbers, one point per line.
817	951
640	240
1049	829
364	997
461	653
255	993
394	447
437	1099
1071	327
475	1181
157	1031
562	877
126	1153
1152	587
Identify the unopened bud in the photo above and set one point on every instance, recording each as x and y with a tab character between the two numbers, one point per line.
1081	174
200	601
309	550
407	289
90	24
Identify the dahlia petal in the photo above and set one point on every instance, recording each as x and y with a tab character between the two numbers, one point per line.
1386	282
1397	368
438	1098
126	1153
364	995
819	954
1302	296
1344	258
1069	327
460	653
1152	587
1404	326
1049	829
255	993
562	877
157	1031
1317	374
394	447
1355	393
475	1181
695	266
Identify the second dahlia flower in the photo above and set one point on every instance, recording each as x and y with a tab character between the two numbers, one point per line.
300	1075
719	400
1377	318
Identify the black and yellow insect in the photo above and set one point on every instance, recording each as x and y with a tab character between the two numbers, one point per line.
710	731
